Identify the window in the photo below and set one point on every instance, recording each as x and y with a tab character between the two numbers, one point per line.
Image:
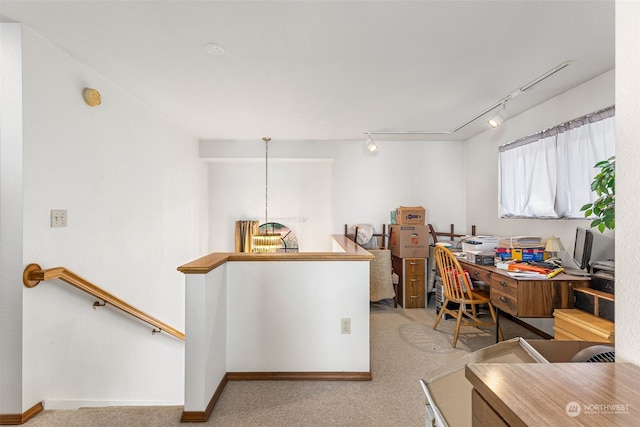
549	174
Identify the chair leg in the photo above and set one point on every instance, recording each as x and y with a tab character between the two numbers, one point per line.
458	322
444	305
474	311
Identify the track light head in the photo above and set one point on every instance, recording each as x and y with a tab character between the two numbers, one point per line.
497	120
371	144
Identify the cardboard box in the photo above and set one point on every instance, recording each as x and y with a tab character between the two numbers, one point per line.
407	215
409	241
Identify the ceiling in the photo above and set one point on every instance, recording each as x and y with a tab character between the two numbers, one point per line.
330	70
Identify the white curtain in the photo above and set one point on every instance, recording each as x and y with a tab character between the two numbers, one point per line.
527	174
549	175
579	149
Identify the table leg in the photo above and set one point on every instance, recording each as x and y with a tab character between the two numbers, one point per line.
497	324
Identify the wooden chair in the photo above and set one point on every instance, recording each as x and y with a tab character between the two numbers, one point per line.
457	289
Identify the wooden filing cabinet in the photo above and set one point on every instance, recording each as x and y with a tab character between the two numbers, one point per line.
411	285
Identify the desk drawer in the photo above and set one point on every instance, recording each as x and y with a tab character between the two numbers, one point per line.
415	285
504	302
504	285
414	266
414	292
478	273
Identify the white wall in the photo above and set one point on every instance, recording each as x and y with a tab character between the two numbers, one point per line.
274	316
627	178
206	329
11	220
289	313
365	187
299	197
135	192
482	158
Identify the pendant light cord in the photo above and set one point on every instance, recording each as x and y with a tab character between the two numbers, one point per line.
266	140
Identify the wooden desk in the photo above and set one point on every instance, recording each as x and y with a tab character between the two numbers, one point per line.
554	394
526	297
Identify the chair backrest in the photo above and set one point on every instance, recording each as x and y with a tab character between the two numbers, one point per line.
454	279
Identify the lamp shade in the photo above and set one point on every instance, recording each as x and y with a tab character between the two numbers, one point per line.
554	245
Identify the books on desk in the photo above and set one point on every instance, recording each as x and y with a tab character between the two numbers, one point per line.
521	242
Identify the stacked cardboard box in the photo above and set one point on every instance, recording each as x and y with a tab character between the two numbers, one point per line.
415	215
409	241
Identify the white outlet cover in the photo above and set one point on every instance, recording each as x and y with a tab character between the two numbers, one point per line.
58	218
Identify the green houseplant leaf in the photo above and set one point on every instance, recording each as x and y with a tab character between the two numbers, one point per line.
604	185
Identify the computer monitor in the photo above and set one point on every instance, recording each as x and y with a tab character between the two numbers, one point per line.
582	248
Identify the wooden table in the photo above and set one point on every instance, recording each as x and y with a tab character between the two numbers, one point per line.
555	394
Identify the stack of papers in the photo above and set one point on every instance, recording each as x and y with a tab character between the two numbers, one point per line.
521	242
527	275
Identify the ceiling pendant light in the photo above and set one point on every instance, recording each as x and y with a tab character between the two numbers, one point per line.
371	144
265	242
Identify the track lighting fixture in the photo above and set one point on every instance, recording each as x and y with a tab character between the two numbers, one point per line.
371	144
494	121
500	117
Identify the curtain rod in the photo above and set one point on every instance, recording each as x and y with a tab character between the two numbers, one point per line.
594	117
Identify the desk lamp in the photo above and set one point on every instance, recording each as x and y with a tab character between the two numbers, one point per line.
554	245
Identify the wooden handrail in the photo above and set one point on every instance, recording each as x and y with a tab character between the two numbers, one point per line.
33	274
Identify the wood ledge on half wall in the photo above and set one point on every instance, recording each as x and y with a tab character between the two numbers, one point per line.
352	252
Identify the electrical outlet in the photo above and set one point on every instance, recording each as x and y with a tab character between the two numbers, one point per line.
58	218
345	325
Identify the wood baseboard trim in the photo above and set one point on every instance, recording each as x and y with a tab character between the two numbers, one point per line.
203	416
299	376
18	419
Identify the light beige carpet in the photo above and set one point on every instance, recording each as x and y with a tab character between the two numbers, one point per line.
403	348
